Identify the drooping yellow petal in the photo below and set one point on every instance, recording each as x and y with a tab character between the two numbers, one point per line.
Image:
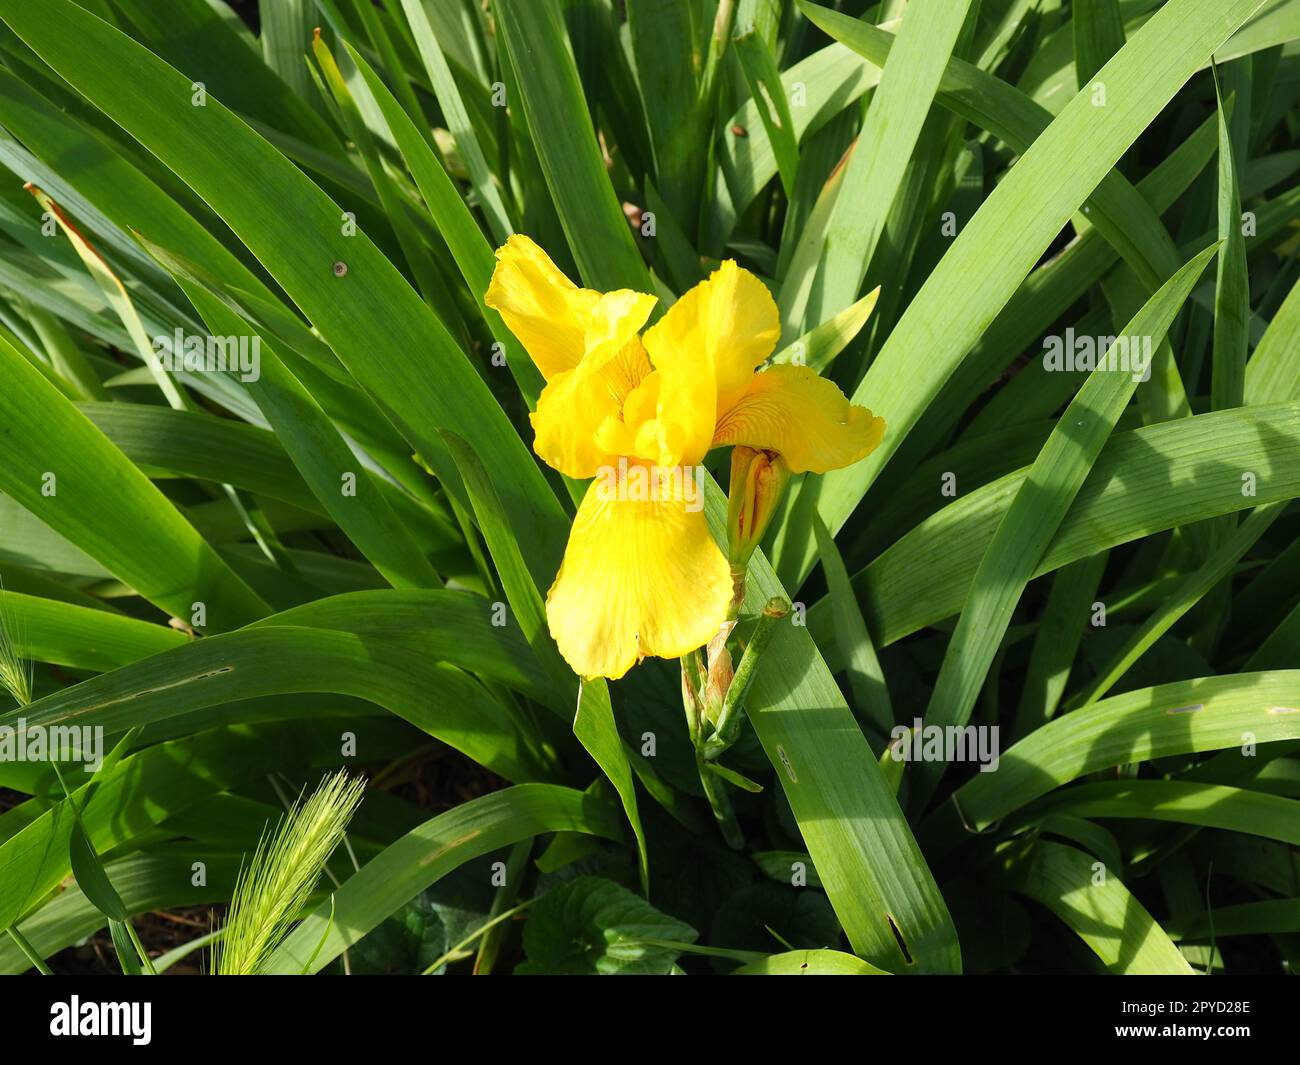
558	323
641	574
806	418
577	403
705	349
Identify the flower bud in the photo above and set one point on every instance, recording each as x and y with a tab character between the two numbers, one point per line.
757	480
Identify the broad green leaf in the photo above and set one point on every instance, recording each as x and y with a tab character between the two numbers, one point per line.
269	660
591	926
1184	802
874	874
68	634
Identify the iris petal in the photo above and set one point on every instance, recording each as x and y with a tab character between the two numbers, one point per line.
576	406
705	349
803	416
558	323
640	577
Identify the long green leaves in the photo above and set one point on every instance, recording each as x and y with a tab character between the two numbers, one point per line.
240	580
875	171
561	129
1180	718
366	311
62	469
999	246
1043	499
875	876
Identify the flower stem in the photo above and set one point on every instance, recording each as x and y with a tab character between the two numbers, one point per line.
715	791
727	729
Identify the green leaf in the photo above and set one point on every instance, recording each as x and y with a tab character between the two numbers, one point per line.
769	98
62	469
598	234
69	634
1056	641
870	692
926	575
1097	907
1098	35
875	170
591	926
275	660
809	963
470	249
665	37
1273	373
890	907
1209	714
91	878
1182	597
597	731
34	845
819	346
1184	802
827	81
1232	284
458	121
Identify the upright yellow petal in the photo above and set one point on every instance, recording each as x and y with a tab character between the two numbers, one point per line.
557	322
641	576
793	411
706	348
576	404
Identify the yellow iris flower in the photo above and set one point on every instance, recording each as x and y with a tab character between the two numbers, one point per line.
641	573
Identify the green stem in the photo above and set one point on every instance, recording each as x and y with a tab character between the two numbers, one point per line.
716	792
694	678
728	725
29	951
139	949
487	926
